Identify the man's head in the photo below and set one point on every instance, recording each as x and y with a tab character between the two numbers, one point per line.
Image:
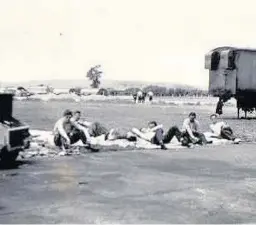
214	118
67	114
152	124
77	115
192	116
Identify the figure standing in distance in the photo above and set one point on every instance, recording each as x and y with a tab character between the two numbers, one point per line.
219	106
150	96
134	97
139	96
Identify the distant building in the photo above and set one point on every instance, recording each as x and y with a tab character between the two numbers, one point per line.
39	89
61	91
89	91
10	90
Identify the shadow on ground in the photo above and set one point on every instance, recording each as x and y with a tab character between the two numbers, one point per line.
14	165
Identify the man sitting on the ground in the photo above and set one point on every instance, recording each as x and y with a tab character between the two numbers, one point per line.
82	125
191	132
220	129
66	132
96	129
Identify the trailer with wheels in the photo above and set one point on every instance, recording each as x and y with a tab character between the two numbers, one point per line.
14	135
232	73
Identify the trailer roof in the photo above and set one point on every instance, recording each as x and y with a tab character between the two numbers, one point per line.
234	48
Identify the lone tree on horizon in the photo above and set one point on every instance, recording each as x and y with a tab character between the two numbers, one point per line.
94	74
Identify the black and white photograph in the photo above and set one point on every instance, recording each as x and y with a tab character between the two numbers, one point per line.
127	112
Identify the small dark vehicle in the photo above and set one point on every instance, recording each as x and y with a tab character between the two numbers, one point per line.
14	135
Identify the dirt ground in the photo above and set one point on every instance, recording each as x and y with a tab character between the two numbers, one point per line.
205	185
213	184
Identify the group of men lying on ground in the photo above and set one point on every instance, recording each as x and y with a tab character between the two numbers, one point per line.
70	129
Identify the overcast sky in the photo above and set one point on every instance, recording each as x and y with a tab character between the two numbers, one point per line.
153	40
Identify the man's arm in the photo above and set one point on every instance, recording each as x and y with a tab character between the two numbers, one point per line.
156	128
190	132
62	131
211	128
225	125
188	129
85	123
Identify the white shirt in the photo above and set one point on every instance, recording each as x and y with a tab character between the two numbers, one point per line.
194	126
148	133
216	128
150	94
139	93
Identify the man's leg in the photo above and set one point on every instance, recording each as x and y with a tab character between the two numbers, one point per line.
141	135
76	136
59	141
201	137
158	139
121	135
173	131
227	133
98	129
185	139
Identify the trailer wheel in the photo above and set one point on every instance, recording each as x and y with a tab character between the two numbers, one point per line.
7	156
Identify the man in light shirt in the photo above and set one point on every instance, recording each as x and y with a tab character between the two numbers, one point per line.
220	129
66	132
191	131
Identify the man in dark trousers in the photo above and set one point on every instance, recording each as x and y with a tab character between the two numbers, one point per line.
219	106
66	132
190	133
221	129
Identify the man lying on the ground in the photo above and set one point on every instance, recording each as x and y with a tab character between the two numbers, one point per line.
153	133
191	132
66	132
220	129
96	129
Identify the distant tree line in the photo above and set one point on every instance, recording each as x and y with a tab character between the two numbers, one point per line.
157	90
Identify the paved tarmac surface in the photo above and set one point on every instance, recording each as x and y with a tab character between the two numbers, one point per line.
207	185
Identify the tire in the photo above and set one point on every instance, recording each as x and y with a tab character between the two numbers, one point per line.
6	156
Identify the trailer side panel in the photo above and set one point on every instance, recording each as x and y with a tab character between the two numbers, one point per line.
246	72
